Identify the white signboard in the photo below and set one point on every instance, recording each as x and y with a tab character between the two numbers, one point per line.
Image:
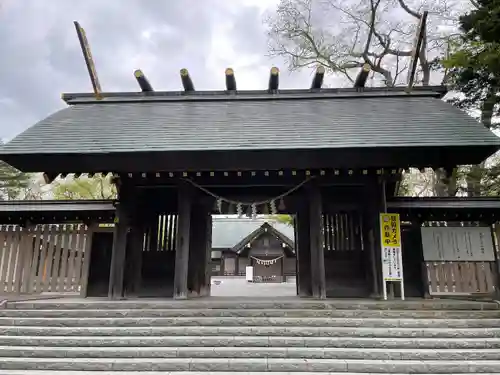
392	264
249	273
392	257
462	244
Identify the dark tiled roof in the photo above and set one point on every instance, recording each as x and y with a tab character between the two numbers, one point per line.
228	232
251	121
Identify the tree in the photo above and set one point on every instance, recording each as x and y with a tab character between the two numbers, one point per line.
474	71
475	61
285	219
13	183
342	35
97	187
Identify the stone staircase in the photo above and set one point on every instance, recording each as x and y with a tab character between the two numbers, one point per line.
226	336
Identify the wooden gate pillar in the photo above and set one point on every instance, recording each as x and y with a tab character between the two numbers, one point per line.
118	255
134	257
303	250
207	270
185	198
200	247
316	240
197	240
376	204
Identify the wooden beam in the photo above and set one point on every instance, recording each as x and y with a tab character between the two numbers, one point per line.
230	80
89	61
362	76
182	241
318	78
274	79
186	80
421	30
143	81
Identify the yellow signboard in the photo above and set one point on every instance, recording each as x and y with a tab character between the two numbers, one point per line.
390	230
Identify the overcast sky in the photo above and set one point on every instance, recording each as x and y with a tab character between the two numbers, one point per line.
41	57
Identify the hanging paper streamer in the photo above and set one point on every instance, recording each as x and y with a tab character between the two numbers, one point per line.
266	262
274	211
251	207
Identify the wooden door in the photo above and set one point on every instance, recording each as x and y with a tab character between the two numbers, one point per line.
345	258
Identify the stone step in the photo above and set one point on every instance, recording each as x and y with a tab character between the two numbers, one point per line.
251	341
248	352
251	331
240	322
259	304
249	364
291	313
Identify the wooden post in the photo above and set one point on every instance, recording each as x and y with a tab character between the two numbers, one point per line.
495	237
134	258
207	281
205	270
118	254
196	250
205	248
316	240
303	252
153	232
182	241
295	244
377	205
86	259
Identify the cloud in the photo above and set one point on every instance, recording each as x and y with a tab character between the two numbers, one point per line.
41	57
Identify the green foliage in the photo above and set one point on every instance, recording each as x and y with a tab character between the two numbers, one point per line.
489	183
285	219
474	71
13	183
474	64
96	187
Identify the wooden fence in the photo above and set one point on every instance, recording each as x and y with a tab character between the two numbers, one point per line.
44	259
447	278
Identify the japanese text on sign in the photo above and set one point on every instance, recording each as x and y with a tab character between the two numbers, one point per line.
390	230
392	264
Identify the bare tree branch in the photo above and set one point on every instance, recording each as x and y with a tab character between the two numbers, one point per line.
342	35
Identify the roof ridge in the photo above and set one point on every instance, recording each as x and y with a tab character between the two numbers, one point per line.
218	95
